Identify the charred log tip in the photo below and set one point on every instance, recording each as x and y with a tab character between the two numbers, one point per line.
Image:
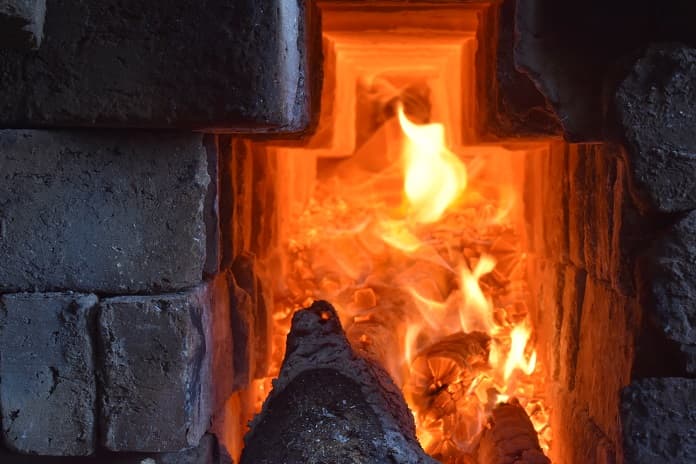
509	436
318	321
329	404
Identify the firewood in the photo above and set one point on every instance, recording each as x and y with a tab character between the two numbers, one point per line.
510	438
329	404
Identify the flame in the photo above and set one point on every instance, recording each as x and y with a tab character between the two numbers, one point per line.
435	177
516	358
476	313
430	287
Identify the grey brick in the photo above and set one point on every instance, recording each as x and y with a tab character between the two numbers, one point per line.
208	451
241	65
656	110
47	388
21	23
107	212
155	371
667	287
659	421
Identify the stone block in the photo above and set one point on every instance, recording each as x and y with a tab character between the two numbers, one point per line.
666	285
208	451
659	420
246	276
107	212
568	346
221	342
630	234
599	185
520	107
211	211
155	371
21	23
577	201
555	197
246	65
656	111
605	354
243	330
48	391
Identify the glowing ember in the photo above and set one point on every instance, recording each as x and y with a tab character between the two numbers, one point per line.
431	286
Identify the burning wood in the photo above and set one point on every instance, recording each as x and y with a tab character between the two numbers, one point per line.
509	437
330	405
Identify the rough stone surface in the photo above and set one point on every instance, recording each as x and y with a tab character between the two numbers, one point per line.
224	65
107	212
666	285
155	371
222	342
211	211
542	53
339	406
667	292
520	107
207	452
243	330
656	111
21	23
659	421
48	392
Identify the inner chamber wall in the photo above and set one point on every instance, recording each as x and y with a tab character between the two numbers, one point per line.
571	208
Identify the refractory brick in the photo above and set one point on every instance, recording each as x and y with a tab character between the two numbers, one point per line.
102	212
48	391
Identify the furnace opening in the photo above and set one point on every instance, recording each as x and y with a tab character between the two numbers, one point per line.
412	225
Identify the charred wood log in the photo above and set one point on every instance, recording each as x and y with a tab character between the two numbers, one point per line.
329	404
510	438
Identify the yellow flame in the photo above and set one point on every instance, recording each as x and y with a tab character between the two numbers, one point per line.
435	177
476	313
516	358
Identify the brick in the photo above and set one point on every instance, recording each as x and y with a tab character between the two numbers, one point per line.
665	284
108	212
600	178
222	342
21	23
577	201
555	197
659	420
211	210
568	346
243	330
155	371
246	276
208	451
242	66
656	116
48	392
605	354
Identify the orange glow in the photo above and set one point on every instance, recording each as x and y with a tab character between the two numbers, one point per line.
431	285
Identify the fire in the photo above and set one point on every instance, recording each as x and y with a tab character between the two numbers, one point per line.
432	287
434	177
